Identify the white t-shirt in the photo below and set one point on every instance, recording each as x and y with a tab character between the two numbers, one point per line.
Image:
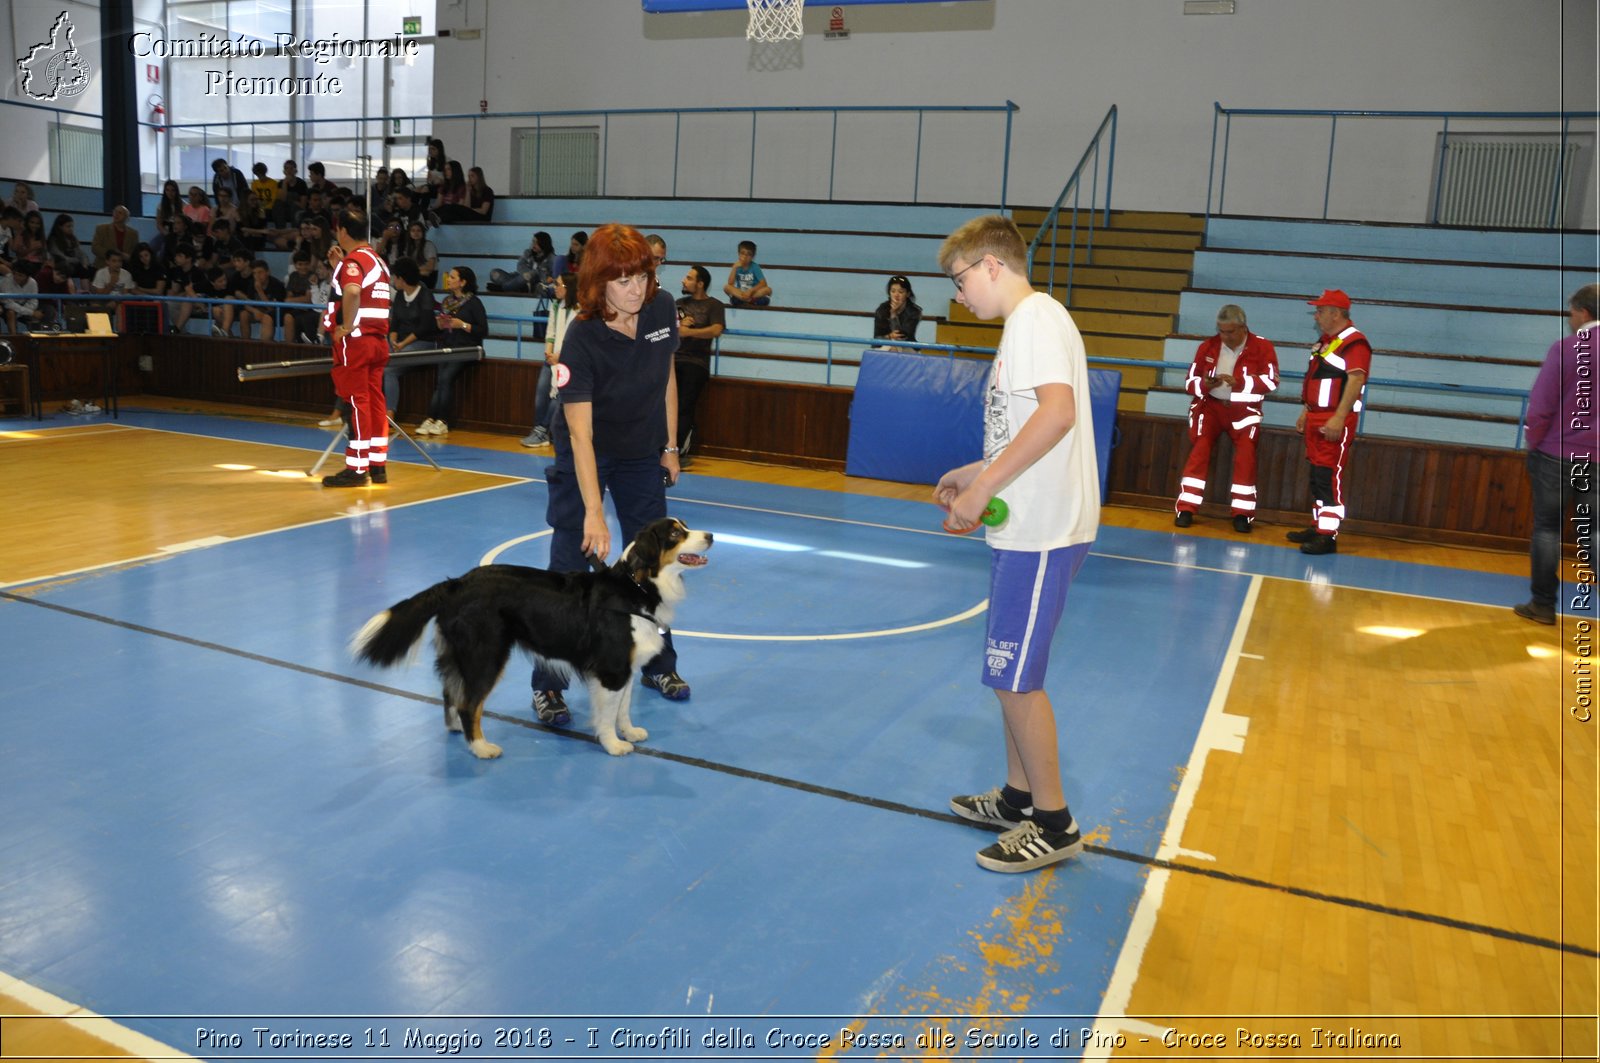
1055	502
102	279
1227	358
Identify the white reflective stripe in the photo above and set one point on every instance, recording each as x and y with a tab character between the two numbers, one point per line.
1241	395
372	311
1334	360
381	290
1326	523
1185	496
1246	422
376	273
1325	393
1244	489
1347	333
1245	504
1190	481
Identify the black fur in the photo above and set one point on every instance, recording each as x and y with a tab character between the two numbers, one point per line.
602	624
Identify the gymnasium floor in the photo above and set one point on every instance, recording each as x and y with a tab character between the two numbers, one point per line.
1338	800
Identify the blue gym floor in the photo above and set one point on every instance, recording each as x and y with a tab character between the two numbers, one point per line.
214	815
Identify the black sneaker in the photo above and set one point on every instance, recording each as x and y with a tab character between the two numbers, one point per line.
346	477
1030	846
1322	544
1539	614
1241	524
1304	535
551	707
988	808
379	473
1183	519
670	684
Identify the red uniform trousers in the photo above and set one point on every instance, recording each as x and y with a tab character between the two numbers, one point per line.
1327	458
1208	419
358	365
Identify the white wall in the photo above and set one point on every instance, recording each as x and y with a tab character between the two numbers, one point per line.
1063	61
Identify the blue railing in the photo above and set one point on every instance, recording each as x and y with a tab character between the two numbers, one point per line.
374	130
1222	120
1089	162
525	324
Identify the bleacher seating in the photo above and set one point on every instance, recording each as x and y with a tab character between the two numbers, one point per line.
1446	308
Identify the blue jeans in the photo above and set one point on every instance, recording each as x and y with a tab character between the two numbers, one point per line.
1557	484
543	404
391	377
639	496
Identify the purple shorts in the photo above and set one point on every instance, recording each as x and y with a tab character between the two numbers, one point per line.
1027	591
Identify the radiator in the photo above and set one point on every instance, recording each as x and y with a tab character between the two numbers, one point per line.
1504	182
75	157
558	162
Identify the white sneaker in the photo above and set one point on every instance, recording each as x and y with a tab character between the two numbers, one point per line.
90	407
428	427
440	428
330	422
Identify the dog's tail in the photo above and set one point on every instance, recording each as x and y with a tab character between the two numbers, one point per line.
392	635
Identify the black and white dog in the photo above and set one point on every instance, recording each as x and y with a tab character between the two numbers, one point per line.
602	625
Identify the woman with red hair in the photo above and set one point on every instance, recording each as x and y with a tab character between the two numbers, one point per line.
615	427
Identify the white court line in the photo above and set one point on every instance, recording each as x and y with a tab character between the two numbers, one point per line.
1218	730
489	559
106	1030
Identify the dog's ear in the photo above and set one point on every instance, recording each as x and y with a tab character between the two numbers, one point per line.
642	558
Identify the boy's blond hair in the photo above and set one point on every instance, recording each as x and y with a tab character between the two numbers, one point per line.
992	234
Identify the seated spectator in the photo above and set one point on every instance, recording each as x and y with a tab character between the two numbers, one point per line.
291	193
16	278
222	312
68	261
658	252
475	202
388	242
898	316
170	204
226	209
568	263
405	206
22	199
112	279
700	322
322	293
198	209
260	286
462	323
301	324
546	394
149	276
413	324
226	177
10	226
319	182
533	269
227	243
264	187
183	279
418	248
434	167
747	285
31	242
238	267
315	239
315	207
115	234
253	228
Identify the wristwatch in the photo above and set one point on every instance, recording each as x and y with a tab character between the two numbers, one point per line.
669	450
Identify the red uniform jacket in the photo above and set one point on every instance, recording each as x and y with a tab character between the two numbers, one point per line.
1256	372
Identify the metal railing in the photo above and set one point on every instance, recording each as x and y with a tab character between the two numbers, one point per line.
527	323
1052	221
1222	121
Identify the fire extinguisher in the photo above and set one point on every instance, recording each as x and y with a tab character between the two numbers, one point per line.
158	113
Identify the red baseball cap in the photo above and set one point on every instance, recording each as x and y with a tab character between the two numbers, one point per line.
1331	297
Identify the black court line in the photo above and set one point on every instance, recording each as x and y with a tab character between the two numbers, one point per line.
1355	903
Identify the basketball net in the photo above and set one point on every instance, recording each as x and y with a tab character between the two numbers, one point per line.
775	20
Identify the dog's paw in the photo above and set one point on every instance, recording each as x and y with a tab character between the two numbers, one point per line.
484	750
616	747
634	734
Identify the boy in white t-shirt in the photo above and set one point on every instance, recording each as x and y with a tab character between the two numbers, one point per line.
1038	452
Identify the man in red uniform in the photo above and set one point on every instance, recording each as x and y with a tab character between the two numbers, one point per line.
358	322
1232	373
1332	392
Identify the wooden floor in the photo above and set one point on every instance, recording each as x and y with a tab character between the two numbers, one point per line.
1423	747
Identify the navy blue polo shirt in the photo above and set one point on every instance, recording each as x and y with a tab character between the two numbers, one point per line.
624	380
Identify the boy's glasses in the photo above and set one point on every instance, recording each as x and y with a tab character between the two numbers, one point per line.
955	278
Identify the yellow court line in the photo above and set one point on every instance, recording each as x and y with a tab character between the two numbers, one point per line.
47	1007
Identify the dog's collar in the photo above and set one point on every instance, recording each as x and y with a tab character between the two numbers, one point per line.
643	615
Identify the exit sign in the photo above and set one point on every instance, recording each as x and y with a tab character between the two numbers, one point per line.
411	25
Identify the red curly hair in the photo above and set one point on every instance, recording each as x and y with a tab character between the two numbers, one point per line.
614	250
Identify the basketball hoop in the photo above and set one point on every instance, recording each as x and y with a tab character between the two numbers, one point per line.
775	20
